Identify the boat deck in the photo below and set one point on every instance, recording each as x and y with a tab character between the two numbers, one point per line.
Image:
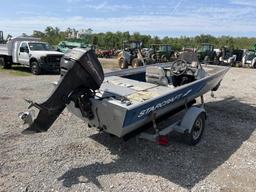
122	90
135	91
210	69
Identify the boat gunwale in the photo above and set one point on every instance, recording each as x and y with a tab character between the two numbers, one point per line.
136	105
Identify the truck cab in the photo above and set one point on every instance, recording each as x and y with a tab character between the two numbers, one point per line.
161	52
206	53
30	52
38	56
249	58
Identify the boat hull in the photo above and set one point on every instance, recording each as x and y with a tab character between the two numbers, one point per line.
120	120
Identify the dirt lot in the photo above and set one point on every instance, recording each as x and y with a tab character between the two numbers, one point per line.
72	157
109	62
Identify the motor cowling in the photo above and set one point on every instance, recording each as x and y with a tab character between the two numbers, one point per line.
81	75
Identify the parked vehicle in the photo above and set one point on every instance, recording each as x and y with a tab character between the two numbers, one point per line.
105	53
207	54
249	58
30	52
64	46
227	57
162	53
239	55
131	55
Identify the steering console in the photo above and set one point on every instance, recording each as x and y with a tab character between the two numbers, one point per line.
179	67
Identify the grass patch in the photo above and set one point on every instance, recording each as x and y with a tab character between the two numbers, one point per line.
16	70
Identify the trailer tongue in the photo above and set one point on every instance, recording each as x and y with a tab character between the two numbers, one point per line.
84	75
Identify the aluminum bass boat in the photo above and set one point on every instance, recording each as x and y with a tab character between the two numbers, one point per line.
121	102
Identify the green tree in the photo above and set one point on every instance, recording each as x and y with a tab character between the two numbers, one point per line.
110	40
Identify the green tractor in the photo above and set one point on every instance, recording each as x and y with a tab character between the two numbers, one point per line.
131	55
161	53
207	54
64	46
254	47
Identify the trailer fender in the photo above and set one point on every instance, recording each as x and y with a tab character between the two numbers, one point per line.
186	124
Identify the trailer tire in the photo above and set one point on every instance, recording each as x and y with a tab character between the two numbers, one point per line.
197	130
35	68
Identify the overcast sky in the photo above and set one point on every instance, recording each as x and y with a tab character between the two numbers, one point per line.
162	17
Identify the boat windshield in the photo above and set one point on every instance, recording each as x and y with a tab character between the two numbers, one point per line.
40	47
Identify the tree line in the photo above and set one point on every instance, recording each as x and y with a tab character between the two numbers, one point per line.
110	40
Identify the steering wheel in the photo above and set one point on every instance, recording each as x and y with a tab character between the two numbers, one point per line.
179	67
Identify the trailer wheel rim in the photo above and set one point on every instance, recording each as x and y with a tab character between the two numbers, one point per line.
198	127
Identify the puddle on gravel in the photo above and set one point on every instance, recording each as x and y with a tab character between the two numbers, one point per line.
5	98
26	89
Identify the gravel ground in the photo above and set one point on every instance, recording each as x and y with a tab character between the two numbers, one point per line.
72	157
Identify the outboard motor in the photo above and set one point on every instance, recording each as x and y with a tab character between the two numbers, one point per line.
81	75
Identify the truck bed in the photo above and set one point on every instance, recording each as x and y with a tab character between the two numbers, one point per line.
3	49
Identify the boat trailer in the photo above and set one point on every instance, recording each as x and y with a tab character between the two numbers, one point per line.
127	102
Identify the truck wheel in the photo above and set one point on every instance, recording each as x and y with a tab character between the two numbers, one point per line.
136	63
197	130
35	68
164	59
153	58
5	63
216	61
206	60
122	64
254	65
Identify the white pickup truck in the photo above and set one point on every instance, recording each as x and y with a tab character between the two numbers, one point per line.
30	52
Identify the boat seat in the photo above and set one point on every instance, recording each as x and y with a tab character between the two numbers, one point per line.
157	75
195	64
